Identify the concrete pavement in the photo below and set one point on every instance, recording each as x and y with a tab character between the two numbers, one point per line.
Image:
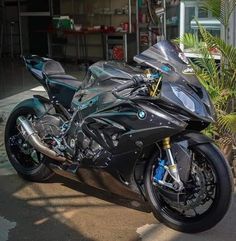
63	210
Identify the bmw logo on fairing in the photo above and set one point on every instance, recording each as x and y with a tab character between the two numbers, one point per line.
141	114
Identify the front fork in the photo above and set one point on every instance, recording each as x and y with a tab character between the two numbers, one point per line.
163	169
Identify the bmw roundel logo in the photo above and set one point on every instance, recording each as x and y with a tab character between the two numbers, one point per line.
141	114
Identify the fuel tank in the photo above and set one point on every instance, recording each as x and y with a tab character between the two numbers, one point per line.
101	78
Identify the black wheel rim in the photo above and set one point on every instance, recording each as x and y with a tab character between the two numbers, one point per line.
212	188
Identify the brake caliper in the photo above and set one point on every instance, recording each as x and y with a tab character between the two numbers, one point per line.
159	171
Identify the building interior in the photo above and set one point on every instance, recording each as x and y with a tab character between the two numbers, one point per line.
81	32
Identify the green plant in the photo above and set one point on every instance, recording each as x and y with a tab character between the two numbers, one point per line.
218	79
221	10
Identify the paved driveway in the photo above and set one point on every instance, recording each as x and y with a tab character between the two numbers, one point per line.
63	210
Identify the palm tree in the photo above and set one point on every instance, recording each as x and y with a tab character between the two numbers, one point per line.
218	78
221	10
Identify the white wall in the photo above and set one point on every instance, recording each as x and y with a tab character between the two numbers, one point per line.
232	29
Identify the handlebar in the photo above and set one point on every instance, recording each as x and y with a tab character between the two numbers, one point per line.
135	81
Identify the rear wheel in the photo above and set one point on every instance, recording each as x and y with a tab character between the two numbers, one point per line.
28	162
205	199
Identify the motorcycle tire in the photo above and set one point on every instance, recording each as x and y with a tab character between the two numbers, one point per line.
20	161
220	204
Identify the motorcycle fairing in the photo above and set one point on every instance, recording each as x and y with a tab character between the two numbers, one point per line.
202	111
121	156
170	60
107	117
122	119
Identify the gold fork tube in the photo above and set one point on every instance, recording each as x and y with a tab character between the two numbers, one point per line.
166	143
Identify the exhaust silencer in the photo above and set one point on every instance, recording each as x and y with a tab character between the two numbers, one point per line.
32	137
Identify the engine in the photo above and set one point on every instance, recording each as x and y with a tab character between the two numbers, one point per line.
90	150
52	129
48	126
67	139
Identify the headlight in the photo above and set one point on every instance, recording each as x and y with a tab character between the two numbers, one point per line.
184	98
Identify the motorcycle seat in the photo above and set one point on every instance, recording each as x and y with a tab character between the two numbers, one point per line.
52	70
64	79
56	73
51	67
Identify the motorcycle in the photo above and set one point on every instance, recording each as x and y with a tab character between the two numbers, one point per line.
133	131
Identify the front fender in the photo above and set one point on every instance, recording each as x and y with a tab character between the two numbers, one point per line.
193	138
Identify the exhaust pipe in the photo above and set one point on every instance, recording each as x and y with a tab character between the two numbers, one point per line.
32	137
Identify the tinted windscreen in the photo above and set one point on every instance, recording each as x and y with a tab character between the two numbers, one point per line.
170	51
169	59
165	51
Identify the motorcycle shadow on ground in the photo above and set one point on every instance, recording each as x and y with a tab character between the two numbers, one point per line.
26	213
63	210
106	195
155	231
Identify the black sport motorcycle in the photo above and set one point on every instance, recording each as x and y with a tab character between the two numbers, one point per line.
134	131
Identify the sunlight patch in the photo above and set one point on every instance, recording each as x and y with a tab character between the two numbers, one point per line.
5	227
38	88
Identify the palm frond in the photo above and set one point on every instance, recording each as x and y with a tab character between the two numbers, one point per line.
221	9
218	79
214	6
227	51
190	41
227	8
228	122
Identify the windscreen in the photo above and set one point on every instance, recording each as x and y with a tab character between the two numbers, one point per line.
164	52
169	59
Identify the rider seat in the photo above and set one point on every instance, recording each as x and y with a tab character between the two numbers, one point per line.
60	86
56	73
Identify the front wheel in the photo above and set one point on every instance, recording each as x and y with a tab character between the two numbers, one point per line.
206	200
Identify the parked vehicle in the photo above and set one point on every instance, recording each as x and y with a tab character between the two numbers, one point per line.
132	131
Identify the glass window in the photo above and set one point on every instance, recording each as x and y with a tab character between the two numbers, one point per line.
202	13
189	10
189	16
